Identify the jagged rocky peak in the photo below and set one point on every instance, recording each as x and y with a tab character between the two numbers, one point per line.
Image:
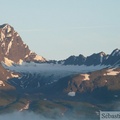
94	59
102	53
75	60
113	58
100	58
115	52
13	49
6	32
5	26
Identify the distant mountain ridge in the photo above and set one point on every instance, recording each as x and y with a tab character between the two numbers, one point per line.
94	59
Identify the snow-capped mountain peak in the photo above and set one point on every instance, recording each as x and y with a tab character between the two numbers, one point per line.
13	48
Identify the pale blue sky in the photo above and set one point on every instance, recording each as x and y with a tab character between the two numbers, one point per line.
57	29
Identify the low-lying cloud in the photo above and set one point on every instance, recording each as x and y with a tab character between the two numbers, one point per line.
33	116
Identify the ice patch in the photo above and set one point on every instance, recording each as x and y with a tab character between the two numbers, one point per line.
72	94
112	72
9	46
3	44
37	57
26	107
101	56
2	83
8	77
30	52
14	76
26	56
17	35
26	46
8	62
86	76
8	29
9	35
2	36
20	61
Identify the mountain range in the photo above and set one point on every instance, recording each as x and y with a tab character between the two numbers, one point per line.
94	59
14	52
95	78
